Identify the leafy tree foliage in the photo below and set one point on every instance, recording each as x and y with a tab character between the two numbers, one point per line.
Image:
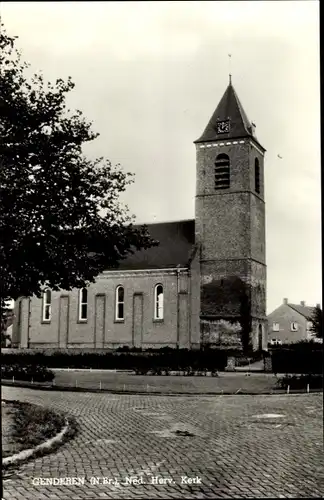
6	319
233	301
61	222
317	320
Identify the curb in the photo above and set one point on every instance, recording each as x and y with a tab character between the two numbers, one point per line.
30	452
56	388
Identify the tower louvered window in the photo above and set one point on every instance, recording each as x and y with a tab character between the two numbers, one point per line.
222	172
257	175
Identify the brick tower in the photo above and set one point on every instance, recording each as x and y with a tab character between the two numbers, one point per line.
230	223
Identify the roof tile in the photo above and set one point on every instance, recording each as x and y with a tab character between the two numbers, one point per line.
229	108
305	311
176	241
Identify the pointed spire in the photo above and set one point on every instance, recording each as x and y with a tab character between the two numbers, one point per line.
229	110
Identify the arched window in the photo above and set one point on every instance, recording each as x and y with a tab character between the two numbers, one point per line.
83	304
257	175
119	314
47	301
158	302
222	172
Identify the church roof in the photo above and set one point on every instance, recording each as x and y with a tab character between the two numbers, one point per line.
229	108
176	240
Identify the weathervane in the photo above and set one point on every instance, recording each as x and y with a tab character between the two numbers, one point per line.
229	68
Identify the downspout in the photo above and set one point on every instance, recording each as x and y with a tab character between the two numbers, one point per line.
28	323
178	307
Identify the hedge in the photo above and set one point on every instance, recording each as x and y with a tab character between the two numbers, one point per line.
302	357
301	382
27	372
172	359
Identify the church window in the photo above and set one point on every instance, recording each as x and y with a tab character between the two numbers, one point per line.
158	302
47	300
119	303
294	326
275	327
257	175
222	172
83	304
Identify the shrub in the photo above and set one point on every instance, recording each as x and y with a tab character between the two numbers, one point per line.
27	372
122	359
298	358
301	381
242	361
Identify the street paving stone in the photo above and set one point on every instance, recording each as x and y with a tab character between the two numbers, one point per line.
222	440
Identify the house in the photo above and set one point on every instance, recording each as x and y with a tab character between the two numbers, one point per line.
205	272
290	323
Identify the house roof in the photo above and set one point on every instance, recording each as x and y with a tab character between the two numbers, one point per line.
229	108
305	311
176	241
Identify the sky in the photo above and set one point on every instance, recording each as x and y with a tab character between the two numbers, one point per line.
150	74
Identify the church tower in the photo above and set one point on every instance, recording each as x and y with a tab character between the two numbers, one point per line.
230	222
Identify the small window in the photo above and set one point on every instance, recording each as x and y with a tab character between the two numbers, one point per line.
222	172
275	327
257	175
158	302
47	300
294	327
309	325
119	303
83	304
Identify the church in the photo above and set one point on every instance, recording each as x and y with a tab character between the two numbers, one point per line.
204	281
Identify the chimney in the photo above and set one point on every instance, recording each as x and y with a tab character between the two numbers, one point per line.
302	303
285	301
318	305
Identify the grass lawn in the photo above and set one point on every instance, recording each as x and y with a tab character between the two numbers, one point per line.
25	426
129	382
126	382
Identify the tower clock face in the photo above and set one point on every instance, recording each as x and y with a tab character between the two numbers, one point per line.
223	127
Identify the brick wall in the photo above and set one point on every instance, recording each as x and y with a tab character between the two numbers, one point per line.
101	329
21	323
194	284
230	227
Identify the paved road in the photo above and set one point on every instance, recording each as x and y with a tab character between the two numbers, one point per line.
201	447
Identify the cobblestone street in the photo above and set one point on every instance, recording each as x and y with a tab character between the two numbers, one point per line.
200	446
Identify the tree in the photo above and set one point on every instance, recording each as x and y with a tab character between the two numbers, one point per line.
233	301
5	321
317	322
61	222
222	332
